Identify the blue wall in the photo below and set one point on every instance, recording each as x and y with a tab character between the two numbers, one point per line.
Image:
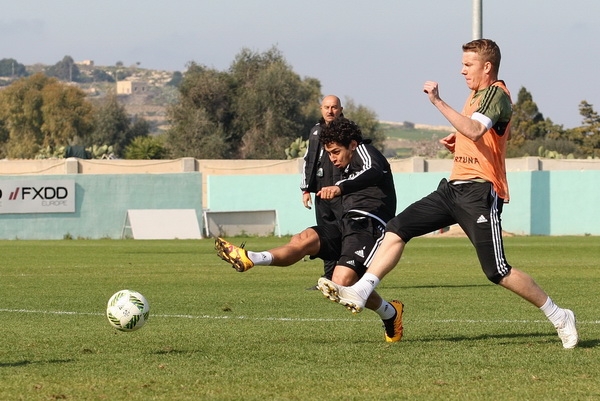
561	202
542	202
102	202
572	203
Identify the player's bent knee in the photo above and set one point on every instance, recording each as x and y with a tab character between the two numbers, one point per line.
307	241
305	236
495	277
342	275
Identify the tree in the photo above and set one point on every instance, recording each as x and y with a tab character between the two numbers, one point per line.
113	126
588	135
312	107
40	111
201	120
266	106
527	121
175	79
270	103
253	110
9	67
367	121
99	75
196	135
531	134
65	70
529	129
139	128
146	148
67	115
591	119
111	123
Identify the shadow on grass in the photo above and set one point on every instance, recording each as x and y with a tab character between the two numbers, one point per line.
588	344
440	286
162	252
484	337
28	362
550	336
173	351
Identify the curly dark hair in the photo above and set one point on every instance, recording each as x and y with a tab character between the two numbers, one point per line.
342	131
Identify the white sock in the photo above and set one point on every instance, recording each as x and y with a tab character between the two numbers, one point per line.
555	314
386	310
260	258
365	286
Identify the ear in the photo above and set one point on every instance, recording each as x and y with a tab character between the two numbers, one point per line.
353	145
487	67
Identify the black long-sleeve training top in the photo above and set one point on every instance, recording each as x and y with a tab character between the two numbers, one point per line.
367	185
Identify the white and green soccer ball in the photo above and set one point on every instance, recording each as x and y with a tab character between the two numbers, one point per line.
127	310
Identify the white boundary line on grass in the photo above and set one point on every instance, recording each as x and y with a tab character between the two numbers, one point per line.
287	319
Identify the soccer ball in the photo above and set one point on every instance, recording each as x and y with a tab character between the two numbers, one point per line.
127	310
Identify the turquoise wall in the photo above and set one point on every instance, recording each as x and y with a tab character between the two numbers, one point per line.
102	202
262	192
561	202
573	201
542	202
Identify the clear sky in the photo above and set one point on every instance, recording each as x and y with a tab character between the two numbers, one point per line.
376	52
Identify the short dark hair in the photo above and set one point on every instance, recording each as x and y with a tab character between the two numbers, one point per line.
487	49
342	131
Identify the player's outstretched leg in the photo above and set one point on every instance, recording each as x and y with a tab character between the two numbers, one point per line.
236	256
343	295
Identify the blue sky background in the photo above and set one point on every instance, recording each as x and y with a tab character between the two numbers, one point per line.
378	53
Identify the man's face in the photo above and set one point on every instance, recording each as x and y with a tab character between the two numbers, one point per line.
330	108
474	71
339	155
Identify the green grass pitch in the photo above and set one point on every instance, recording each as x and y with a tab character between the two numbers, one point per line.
215	334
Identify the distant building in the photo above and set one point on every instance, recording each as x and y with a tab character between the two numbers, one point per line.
85	63
131	87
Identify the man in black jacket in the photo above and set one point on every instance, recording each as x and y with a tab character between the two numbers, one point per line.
318	172
368	200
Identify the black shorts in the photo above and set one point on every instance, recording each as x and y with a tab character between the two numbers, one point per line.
476	208
352	241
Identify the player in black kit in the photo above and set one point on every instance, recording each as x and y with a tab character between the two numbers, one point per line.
368	200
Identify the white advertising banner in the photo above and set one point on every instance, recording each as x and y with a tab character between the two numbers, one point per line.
33	196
